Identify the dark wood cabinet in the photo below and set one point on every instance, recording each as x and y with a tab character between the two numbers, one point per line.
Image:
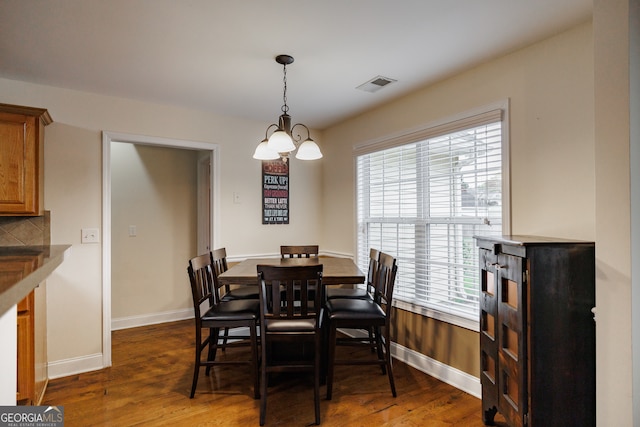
537	331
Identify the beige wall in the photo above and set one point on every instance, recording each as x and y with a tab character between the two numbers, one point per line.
614	116
73	194
550	88
154	189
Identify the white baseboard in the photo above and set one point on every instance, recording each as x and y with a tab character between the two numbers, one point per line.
151	319
443	372
93	362
75	365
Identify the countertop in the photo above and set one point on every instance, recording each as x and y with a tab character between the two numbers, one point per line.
22	268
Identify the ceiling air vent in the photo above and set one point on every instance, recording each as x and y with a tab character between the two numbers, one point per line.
375	84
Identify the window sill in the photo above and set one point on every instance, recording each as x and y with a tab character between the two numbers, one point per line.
463	322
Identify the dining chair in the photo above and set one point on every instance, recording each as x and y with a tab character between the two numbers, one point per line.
213	313
219	260
355	292
352	313
228	293
305	251
290	314
366	293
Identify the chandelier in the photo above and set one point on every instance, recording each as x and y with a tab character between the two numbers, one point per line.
286	138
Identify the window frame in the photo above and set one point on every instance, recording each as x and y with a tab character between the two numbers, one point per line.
465	120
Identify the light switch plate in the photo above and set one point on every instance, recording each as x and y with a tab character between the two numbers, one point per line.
90	235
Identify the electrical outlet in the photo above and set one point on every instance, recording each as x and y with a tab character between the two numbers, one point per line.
90	235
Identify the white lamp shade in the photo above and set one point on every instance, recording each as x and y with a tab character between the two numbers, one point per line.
263	152
280	142
308	150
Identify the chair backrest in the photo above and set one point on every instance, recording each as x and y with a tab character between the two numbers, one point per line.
304	251
201	277
374	256
288	292
219	262
385	279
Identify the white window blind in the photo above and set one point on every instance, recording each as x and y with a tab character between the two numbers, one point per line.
422	197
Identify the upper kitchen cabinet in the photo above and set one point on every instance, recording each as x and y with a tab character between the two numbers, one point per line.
22	160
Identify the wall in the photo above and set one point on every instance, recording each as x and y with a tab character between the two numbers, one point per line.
550	88
73	194
616	115
154	189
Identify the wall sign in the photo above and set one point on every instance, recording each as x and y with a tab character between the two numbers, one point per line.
275	192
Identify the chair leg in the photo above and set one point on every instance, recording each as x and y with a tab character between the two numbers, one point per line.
316	385
372	340
225	334
263	384
387	344
196	368
331	342
213	347
379	344
254	362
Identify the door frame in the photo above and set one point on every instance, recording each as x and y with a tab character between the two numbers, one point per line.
107	138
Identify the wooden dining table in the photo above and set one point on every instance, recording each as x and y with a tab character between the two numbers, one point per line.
335	271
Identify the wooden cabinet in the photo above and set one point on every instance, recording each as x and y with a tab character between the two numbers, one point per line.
537	331
22	159
26	382
32	374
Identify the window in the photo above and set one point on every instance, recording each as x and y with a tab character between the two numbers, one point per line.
422	197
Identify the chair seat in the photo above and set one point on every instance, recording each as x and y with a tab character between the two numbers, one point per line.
291	325
333	292
242	292
354	309
236	310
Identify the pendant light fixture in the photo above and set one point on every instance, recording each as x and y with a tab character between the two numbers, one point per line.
284	139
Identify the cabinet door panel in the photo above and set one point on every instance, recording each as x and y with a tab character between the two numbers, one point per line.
13	143
489	333
21	159
512	348
24	384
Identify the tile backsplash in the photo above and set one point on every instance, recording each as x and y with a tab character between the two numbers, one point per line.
25	230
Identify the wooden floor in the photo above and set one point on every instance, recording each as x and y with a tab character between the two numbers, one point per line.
150	380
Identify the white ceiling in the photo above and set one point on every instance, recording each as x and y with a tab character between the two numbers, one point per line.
218	55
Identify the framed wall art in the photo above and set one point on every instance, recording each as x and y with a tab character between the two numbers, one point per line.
275	192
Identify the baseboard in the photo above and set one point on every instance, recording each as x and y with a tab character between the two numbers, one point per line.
151	319
76	365
443	372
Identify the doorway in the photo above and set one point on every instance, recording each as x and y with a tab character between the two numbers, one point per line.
207	199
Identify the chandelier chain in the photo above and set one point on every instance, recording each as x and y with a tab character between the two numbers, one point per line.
285	107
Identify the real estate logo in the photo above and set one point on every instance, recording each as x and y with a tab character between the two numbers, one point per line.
31	416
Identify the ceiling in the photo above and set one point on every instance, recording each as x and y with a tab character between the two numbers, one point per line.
218	55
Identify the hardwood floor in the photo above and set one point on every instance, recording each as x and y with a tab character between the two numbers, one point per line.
150	380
